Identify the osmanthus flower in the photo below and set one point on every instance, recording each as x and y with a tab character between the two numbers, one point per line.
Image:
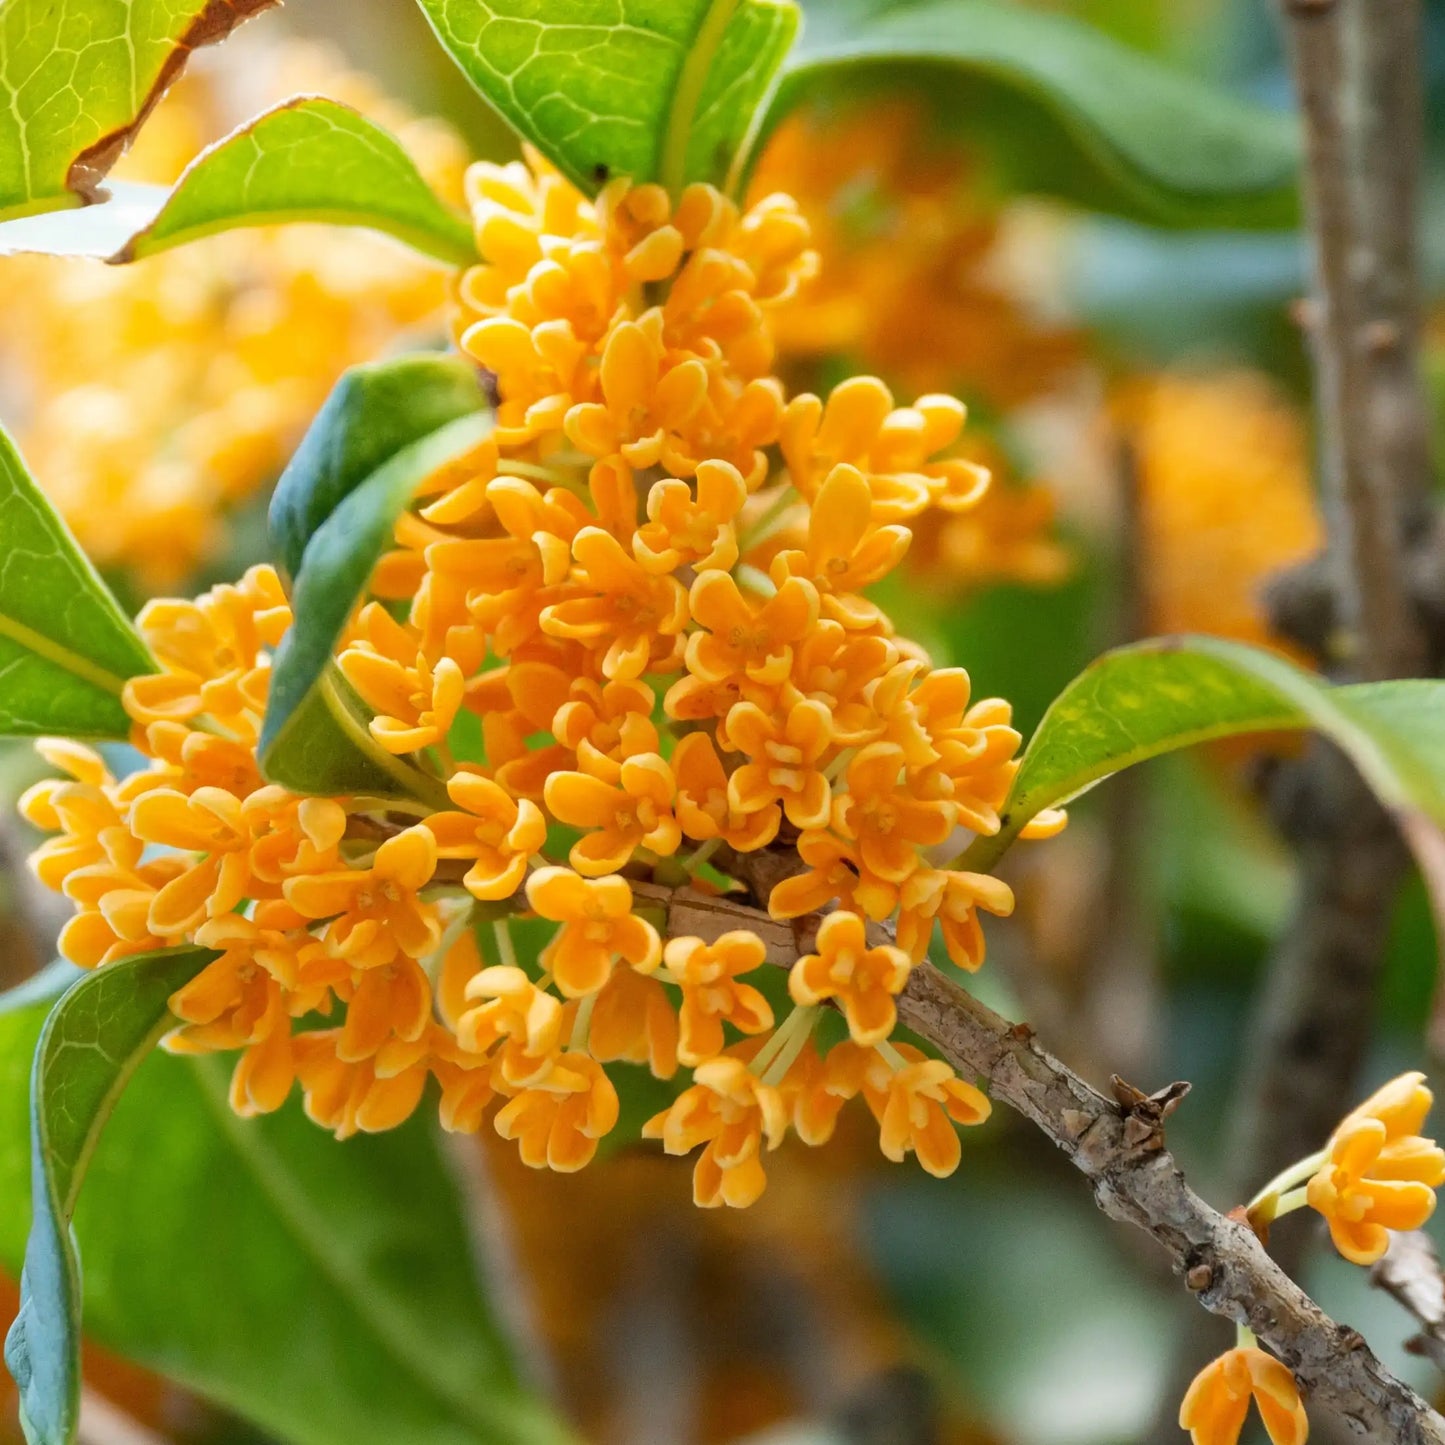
704	809
635	812
415	699
741	640
712	995
1215	1406
917	1101
1378	1173
598	927
865	980
497	832
784	753
375	910
617	616
736	1115
558	1120
693	525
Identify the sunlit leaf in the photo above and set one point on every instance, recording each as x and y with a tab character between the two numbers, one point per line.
327	1292
92	1042
311	159
384	429
1142	701
1064	109
78	77
66	649
657	92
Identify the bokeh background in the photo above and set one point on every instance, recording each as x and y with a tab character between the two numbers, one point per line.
1141	395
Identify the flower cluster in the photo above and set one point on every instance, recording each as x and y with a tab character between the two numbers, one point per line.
1376	1174
635	647
212	358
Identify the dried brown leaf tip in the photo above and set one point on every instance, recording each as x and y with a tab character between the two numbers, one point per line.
1155	1107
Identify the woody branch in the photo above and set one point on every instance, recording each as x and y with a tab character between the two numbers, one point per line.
1118	1145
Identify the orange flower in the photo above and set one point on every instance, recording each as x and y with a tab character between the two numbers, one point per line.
651	405
914	1104
846	551
636	813
91	829
881	814
1401	1106
711	994
1216	1403
511	1007
784	757
416	701
953	898
689	526
604	724
393	1002
211	822
375	910
626	607
559	1119
703	809
598	925
1370	1185
746	641
214	652
373	1095
498	832
832	876
865	980
734	1113
633	1020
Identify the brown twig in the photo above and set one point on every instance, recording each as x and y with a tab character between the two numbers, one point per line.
1118	1144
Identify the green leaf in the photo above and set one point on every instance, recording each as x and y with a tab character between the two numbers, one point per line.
77	79
310	159
1061	107
383	430
92	1042
658	90
66	648
1139	702
327	1292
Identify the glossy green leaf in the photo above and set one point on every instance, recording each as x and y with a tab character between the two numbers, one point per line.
66	648
382	431
77	78
92	1042
1061	107
311	159
351	1308
658	90
1142	701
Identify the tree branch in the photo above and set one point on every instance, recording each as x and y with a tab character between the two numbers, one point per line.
1119	1148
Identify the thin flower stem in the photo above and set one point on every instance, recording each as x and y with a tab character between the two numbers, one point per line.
763	527
775	1045
582	1024
503	934
1244	1338
895	1060
755	580
1288	1203
798	1029
701	855
1297	1172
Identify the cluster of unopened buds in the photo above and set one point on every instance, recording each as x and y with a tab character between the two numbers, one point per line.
1377	1174
628	636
